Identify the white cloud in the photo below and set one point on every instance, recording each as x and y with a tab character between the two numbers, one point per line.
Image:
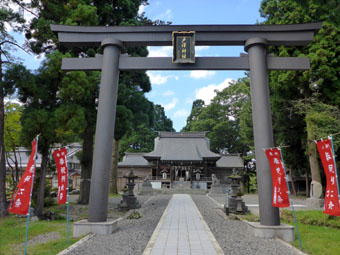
207	93
164	51
12	100
153	94
166	16
168	93
181	113
188	100
158	79
170	105
40	57
199	49
141	9
201	74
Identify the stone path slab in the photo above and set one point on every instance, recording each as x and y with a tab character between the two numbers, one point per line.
182	230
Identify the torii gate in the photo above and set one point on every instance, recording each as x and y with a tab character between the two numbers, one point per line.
254	38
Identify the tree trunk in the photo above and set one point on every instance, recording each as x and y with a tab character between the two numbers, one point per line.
3	204
42	180
7	157
313	162
114	167
17	170
307	184
86	166
312	153
293	184
242	185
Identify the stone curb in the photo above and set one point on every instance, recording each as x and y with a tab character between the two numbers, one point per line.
76	244
212	238
291	246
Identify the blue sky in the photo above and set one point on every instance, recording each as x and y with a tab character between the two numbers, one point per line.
176	90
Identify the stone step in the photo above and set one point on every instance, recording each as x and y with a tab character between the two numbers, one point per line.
184	191
181	184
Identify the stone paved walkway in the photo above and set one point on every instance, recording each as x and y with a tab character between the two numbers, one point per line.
182	230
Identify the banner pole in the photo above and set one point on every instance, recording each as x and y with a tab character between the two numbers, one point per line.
29	205
68	200
291	201
336	171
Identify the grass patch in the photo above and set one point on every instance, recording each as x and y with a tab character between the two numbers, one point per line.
115	195
13	231
317	239
319	232
249	217
317	218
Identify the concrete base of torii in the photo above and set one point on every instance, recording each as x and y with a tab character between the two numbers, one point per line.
83	227
283	231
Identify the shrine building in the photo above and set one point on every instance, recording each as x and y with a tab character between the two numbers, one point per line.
179	157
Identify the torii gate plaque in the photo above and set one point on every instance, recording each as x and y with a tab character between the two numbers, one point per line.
255	39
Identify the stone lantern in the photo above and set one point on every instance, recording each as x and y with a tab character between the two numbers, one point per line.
236	204
129	199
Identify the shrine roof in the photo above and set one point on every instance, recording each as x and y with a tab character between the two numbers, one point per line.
230	161
182	146
134	159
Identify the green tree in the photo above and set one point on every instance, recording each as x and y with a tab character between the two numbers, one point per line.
196	109
321	120
78	92
132	85
12	137
221	118
138	140
14	20
320	84
42	112
141	138
162	122
125	116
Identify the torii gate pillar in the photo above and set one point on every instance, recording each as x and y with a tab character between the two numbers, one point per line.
106	116
262	125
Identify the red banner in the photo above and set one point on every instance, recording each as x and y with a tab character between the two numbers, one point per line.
331	196
60	157
21	197
280	192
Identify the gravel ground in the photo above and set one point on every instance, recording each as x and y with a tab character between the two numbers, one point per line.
132	236
233	235
254	200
